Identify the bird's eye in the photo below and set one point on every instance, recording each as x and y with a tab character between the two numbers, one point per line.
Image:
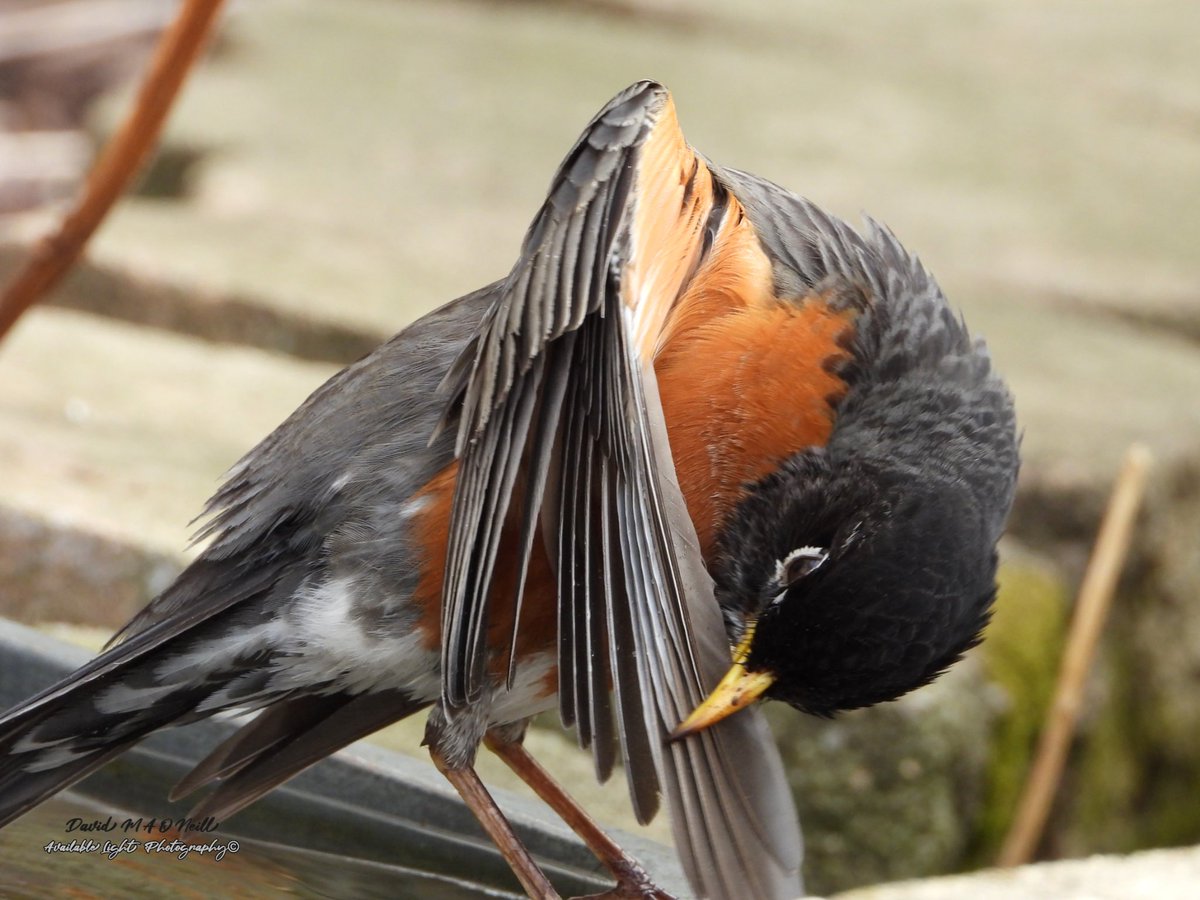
802	562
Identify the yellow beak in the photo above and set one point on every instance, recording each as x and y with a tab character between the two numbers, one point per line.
737	690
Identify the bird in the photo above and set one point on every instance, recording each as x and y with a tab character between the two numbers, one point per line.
704	445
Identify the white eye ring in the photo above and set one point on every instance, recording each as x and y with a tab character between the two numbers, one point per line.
799	563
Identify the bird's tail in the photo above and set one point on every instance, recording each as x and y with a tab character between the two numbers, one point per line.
153	681
64	733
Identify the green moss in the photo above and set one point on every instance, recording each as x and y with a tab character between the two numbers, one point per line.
1021	655
1171	816
1130	779
1103	815
1137	767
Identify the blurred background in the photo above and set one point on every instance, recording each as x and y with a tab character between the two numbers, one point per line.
334	170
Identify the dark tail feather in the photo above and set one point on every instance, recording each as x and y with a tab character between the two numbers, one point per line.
50	746
285	740
21	791
67	741
279	724
54	739
47	746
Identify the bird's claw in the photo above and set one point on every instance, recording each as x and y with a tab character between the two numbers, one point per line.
631	885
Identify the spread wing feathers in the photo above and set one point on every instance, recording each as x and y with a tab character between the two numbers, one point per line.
558	410
629	172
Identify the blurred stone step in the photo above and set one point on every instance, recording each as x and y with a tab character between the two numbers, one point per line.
334	193
118	434
121	292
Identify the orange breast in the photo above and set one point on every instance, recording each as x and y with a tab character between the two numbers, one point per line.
745	378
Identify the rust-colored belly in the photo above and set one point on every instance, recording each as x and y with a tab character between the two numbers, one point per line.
746	379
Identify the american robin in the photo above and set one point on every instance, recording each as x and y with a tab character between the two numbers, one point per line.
690	372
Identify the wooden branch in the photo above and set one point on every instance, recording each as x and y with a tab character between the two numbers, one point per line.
1091	609
177	50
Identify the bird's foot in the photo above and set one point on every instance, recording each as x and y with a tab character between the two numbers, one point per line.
632	884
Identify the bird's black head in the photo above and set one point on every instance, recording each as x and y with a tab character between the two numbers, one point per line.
861	581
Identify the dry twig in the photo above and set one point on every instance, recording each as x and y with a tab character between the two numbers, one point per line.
118	162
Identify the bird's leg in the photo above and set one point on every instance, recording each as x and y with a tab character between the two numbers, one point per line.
632	880
480	802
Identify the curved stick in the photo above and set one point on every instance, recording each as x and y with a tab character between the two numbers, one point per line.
177	50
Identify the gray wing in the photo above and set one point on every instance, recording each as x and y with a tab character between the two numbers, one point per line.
560	430
368	426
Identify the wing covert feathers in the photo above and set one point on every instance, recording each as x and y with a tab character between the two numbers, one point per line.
558	417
